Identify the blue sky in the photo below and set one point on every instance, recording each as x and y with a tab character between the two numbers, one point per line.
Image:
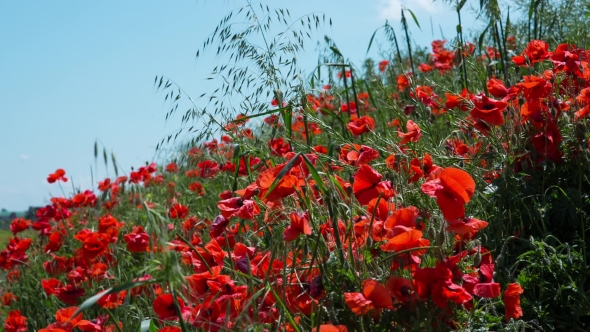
73	72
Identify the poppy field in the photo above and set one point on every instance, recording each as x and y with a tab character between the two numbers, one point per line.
439	189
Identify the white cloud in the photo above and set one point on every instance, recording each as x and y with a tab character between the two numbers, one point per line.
391	9
24	156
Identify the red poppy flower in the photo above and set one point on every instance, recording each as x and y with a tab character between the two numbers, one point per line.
67	322
426	96
138	240
488	110
347	74
299	225
69	294
547	143
170	329
77	275
94	245
172	168
348	108
113	300
57	176
19	225
374	295
50	285
238	207
566	58
178	211
15	322
108	221
403	82
428	166
458	101
361	125
405	217
8	298
368	185
497	88
584	99
205	315
284	188
383	65
330	328
395	122
512	301
534	87
535	51
19	245
414	133
164	306
466	225
208	169
401	289
278	146
436	282
381	210
406	239
364	155
453	188
87	198
482	286
425	68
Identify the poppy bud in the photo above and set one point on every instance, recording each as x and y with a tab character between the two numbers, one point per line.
316	287
477	259
431	233
349	190
499	261
580	131
440	238
218	225
243	266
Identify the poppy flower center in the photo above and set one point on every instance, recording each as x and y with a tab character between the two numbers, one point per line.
228	289
405	290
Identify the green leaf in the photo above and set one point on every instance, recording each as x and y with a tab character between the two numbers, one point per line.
336	64
371	41
91	301
148	326
415	19
336	50
333	115
337	184
259	114
282	173
286	311
236	159
533	6
460	5
314	173
482	36
288	117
